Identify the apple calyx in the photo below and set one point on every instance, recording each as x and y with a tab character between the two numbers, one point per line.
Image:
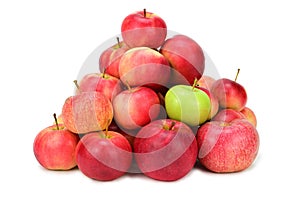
237	73
167	127
55	119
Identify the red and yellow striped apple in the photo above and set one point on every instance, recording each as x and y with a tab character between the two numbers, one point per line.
87	112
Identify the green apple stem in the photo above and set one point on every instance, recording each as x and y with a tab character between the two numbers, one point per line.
236	76
55	118
194	84
145	12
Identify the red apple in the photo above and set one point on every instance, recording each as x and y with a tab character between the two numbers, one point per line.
54	147
227	115
186	57
103	155
142	66
165	150
206	82
110	58
227	147
144	28
249	114
100	82
87	112
230	94
135	107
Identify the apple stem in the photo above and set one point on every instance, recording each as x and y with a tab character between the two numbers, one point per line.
194	84
166	127
103	74
118	40
172	125
76	84
128	86
238	71
106	128
54	115
145	12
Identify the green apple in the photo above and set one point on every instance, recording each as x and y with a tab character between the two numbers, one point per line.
187	104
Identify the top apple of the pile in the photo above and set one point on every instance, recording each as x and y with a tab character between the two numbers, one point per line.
144	29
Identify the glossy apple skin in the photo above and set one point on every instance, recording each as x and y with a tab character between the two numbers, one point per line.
87	112
230	94
249	115
110	58
206	82
142	66
55	149
186	58
191	106
104	83
143	31
165	150
103	156
227	115
135	107
227	147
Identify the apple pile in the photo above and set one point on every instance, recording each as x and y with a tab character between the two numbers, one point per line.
150	109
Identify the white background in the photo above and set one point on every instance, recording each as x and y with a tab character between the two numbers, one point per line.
43	45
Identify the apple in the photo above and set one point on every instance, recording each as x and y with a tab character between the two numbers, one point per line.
103	155
100	82
206	82
145	29
227	146
250	115
142	66
187	104
110	58
165	149
135	107
87	112
186	58
227	115
54	147
229	93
